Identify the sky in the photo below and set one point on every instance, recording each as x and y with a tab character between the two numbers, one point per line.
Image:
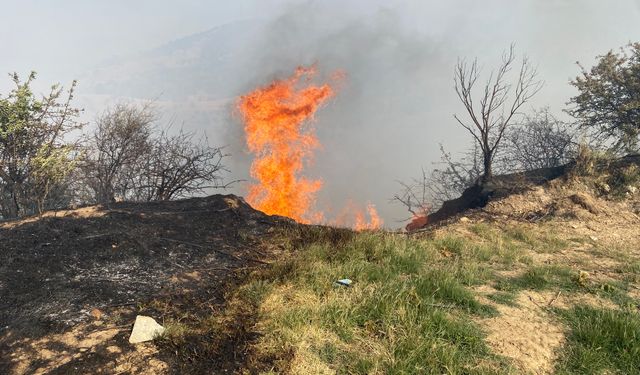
387	121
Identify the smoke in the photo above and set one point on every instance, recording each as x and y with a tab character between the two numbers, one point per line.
397	102
375	130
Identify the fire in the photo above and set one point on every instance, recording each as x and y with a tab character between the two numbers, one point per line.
353	216
374	222
418	221
274	119
276	123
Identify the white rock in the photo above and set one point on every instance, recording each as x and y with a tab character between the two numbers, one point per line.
145	329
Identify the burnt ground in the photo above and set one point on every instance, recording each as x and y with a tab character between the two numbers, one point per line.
71	284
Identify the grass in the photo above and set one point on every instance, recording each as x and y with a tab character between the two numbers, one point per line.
620	180
565	279
601	341
412	308
541	278
504	298
409	309
542	240
616	292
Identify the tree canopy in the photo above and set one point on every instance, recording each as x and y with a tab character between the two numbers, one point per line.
35	154
608	102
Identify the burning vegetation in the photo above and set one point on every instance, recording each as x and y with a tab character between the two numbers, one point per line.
277	123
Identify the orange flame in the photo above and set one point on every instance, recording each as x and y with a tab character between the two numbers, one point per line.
374	221
355	217
418	222
274	117
274	122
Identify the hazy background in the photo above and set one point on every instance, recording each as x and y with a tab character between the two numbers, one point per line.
195	57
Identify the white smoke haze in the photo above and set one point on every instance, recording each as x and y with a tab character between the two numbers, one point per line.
362	128
396	103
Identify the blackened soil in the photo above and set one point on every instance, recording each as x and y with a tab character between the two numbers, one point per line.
57	270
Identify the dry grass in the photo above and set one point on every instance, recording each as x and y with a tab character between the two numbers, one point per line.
493	294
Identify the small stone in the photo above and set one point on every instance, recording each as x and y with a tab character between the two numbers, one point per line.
464	219
593	238
96	313
145	329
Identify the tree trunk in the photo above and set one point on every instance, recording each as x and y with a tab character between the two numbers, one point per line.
487	163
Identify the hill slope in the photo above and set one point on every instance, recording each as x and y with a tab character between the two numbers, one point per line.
71	282
545	280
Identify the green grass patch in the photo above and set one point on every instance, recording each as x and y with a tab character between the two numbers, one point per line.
632	267
539	238
541	278
495	247
522	234
483	230
409	309
616	292
560	278
601	342
504	298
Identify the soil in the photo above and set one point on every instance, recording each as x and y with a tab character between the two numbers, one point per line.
601	233
520	183
72	282
526	333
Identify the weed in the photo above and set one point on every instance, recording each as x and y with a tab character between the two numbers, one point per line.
504	298
406	311
540	278
621	180
601	341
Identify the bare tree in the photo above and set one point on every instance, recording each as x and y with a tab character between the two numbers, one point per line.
130	159
539	141
498	104
415	195
447	181
118	144
178	166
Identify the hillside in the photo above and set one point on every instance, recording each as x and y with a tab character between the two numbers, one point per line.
543	280
71	283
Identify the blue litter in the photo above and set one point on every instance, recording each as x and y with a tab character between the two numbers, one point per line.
344	282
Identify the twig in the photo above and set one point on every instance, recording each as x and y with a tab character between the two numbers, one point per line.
95	236
119	328
256	260
440	305
534	302
188	211
121	304
554	299
200	246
